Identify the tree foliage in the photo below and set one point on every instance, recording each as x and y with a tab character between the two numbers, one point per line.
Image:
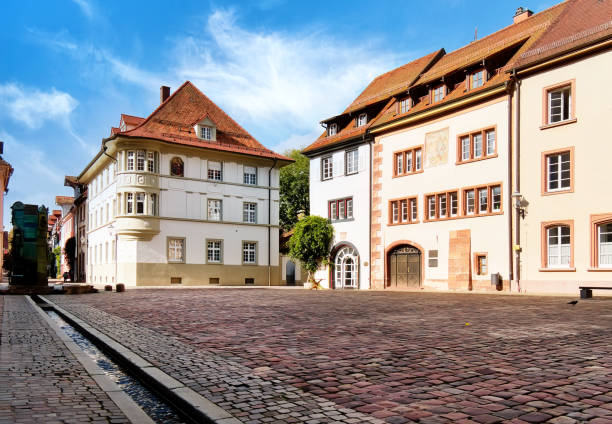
294	189
310	242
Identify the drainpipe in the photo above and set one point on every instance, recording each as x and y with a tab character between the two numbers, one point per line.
509	87
370	216
270	220
517	165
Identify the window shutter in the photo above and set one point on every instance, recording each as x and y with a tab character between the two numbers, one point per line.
362	160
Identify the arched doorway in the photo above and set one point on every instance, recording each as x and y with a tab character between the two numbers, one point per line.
404	267
290	271
346	268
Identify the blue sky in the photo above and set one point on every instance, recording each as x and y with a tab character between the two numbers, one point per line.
69	68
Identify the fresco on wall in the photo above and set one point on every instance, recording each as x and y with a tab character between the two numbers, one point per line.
436	148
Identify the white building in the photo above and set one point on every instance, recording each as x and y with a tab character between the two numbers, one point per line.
185	196
341	181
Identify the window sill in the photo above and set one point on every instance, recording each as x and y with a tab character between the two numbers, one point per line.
558	124
176	262
407	174
557	269
481	215
462	162
394	224
335	221
599	269
551	193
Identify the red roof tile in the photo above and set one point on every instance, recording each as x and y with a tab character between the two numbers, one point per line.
115	130
64	200
581	23
382	88
174	120
131	119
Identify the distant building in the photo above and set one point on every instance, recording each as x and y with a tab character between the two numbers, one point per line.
185	196
64	228
80	227
6	170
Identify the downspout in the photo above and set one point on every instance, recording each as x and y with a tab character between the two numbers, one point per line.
370	216
517	165
510	205
270	220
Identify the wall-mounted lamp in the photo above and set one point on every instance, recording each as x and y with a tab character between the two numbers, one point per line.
518	197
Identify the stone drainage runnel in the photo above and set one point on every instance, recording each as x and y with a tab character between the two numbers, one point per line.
190	406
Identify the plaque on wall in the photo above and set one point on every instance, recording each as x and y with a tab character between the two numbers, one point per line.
436	148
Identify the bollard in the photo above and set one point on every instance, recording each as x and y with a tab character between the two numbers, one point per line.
120	288
108	288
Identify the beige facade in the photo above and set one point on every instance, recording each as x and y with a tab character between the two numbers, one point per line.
583	203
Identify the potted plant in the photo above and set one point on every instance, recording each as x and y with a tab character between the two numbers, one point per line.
310	245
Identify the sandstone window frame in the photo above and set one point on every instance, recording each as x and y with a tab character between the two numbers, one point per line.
438	206
545	248
472	137
548	121
545	177
478	263
413	156
403	210
596	221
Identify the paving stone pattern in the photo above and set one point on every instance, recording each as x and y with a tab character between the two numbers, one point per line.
40	379
398	357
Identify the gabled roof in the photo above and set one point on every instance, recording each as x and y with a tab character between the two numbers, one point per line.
520	37
477	51
393	82
382	88
131	119
173	122
115	130
582	22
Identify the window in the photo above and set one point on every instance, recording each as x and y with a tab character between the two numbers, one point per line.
206	133
477	145
130	161
214	210
177	168
362	119
250	175
408	162
151	161
559	246
340	209
249	281
403	211
249	252
477	79
482	200
176	250
213	251
438	93
140	202
327	168
140	160
153	204
441	205
130	203
433	258
214	171
604	245
352	161
558	171
332	129
481	264
249	212
559	104
404	105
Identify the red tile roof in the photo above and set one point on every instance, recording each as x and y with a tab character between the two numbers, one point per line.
174	120
64	200
115	130
393	82
131	119
382	88
523	34
581	23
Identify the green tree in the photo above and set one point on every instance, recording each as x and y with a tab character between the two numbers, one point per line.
294	185
310	243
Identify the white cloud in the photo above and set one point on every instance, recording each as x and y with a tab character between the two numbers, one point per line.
85	6
33	107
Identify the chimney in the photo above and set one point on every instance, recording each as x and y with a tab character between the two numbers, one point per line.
521	14
164	93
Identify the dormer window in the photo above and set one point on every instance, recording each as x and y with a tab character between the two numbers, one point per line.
477	79
362	119
404	105
438	93
205	133
332	129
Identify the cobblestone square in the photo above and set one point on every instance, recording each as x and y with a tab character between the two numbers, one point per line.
271	355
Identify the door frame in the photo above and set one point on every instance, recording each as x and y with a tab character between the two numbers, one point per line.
332	263
390	248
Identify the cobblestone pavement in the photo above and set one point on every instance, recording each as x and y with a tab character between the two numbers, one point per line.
397	357
40	379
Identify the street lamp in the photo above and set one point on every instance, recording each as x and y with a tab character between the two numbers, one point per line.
518	205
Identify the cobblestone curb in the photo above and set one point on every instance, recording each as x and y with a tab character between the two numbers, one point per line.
183	398
131	410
